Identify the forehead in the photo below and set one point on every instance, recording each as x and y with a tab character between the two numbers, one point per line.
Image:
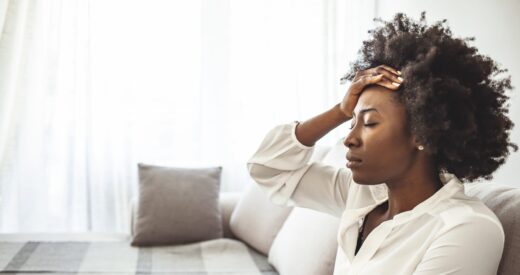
380	98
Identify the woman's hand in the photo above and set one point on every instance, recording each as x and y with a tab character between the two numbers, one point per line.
381	75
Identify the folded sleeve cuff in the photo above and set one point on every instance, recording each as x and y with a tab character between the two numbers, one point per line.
293	136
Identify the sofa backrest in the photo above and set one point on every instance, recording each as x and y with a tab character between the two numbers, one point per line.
504	201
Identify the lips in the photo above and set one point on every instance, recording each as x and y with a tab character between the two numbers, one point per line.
351	157
353	161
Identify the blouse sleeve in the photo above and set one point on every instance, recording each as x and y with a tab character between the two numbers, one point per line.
473	246
282	168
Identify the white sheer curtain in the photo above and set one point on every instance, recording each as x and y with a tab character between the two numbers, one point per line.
90	88
65	157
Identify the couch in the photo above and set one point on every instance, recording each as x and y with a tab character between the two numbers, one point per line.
258	238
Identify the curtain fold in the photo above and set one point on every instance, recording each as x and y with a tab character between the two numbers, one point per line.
63	167
89	88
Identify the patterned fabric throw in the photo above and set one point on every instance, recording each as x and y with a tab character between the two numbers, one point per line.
220	256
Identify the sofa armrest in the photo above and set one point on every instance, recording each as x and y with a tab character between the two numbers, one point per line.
227	203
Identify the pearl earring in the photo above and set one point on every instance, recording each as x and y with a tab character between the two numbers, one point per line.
421	147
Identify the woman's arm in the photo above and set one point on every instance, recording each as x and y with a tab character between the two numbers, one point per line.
310	131
281	163
282	167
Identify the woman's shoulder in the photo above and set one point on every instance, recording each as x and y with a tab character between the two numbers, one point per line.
466	210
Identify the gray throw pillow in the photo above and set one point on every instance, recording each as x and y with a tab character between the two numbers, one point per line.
177	205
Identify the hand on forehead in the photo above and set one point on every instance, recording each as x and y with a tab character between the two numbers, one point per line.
379	98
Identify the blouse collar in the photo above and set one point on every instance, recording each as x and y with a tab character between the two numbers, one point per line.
348	231
451	186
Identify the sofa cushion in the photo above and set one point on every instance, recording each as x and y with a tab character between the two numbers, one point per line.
256	220
228	202
306	243
177	205
504	201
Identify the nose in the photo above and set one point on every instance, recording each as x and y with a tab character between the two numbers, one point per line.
351	140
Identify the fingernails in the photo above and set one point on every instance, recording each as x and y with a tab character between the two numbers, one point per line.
395	84
399	73
400	78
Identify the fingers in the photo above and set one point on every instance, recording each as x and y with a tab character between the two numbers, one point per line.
388	84
391	69
379	79
389	73
371	79
367	77
386	77
357	86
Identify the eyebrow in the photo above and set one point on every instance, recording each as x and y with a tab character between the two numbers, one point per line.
367	110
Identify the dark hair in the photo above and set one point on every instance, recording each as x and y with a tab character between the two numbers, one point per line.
454	106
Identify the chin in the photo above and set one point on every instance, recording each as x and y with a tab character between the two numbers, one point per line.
364	180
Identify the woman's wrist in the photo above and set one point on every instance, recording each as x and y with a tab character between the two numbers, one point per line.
342	116
311	130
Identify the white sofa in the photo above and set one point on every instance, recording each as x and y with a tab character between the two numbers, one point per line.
503	200
259	238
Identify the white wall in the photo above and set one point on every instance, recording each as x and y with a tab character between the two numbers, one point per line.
494	24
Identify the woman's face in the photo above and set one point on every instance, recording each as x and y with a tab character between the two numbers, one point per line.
379	138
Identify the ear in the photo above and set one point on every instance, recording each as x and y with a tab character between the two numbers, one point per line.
414	143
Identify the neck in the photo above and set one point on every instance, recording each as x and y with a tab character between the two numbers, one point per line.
410	190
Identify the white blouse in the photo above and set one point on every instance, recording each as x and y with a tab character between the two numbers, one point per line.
448	233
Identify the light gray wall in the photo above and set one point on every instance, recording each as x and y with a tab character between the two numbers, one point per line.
494	24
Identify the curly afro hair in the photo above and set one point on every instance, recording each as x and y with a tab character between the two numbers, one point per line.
453	105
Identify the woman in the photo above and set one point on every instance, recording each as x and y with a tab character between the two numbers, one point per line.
416	136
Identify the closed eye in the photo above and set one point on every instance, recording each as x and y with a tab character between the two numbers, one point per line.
366	125
370	124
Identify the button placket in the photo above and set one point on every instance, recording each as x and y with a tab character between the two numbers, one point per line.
373	242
